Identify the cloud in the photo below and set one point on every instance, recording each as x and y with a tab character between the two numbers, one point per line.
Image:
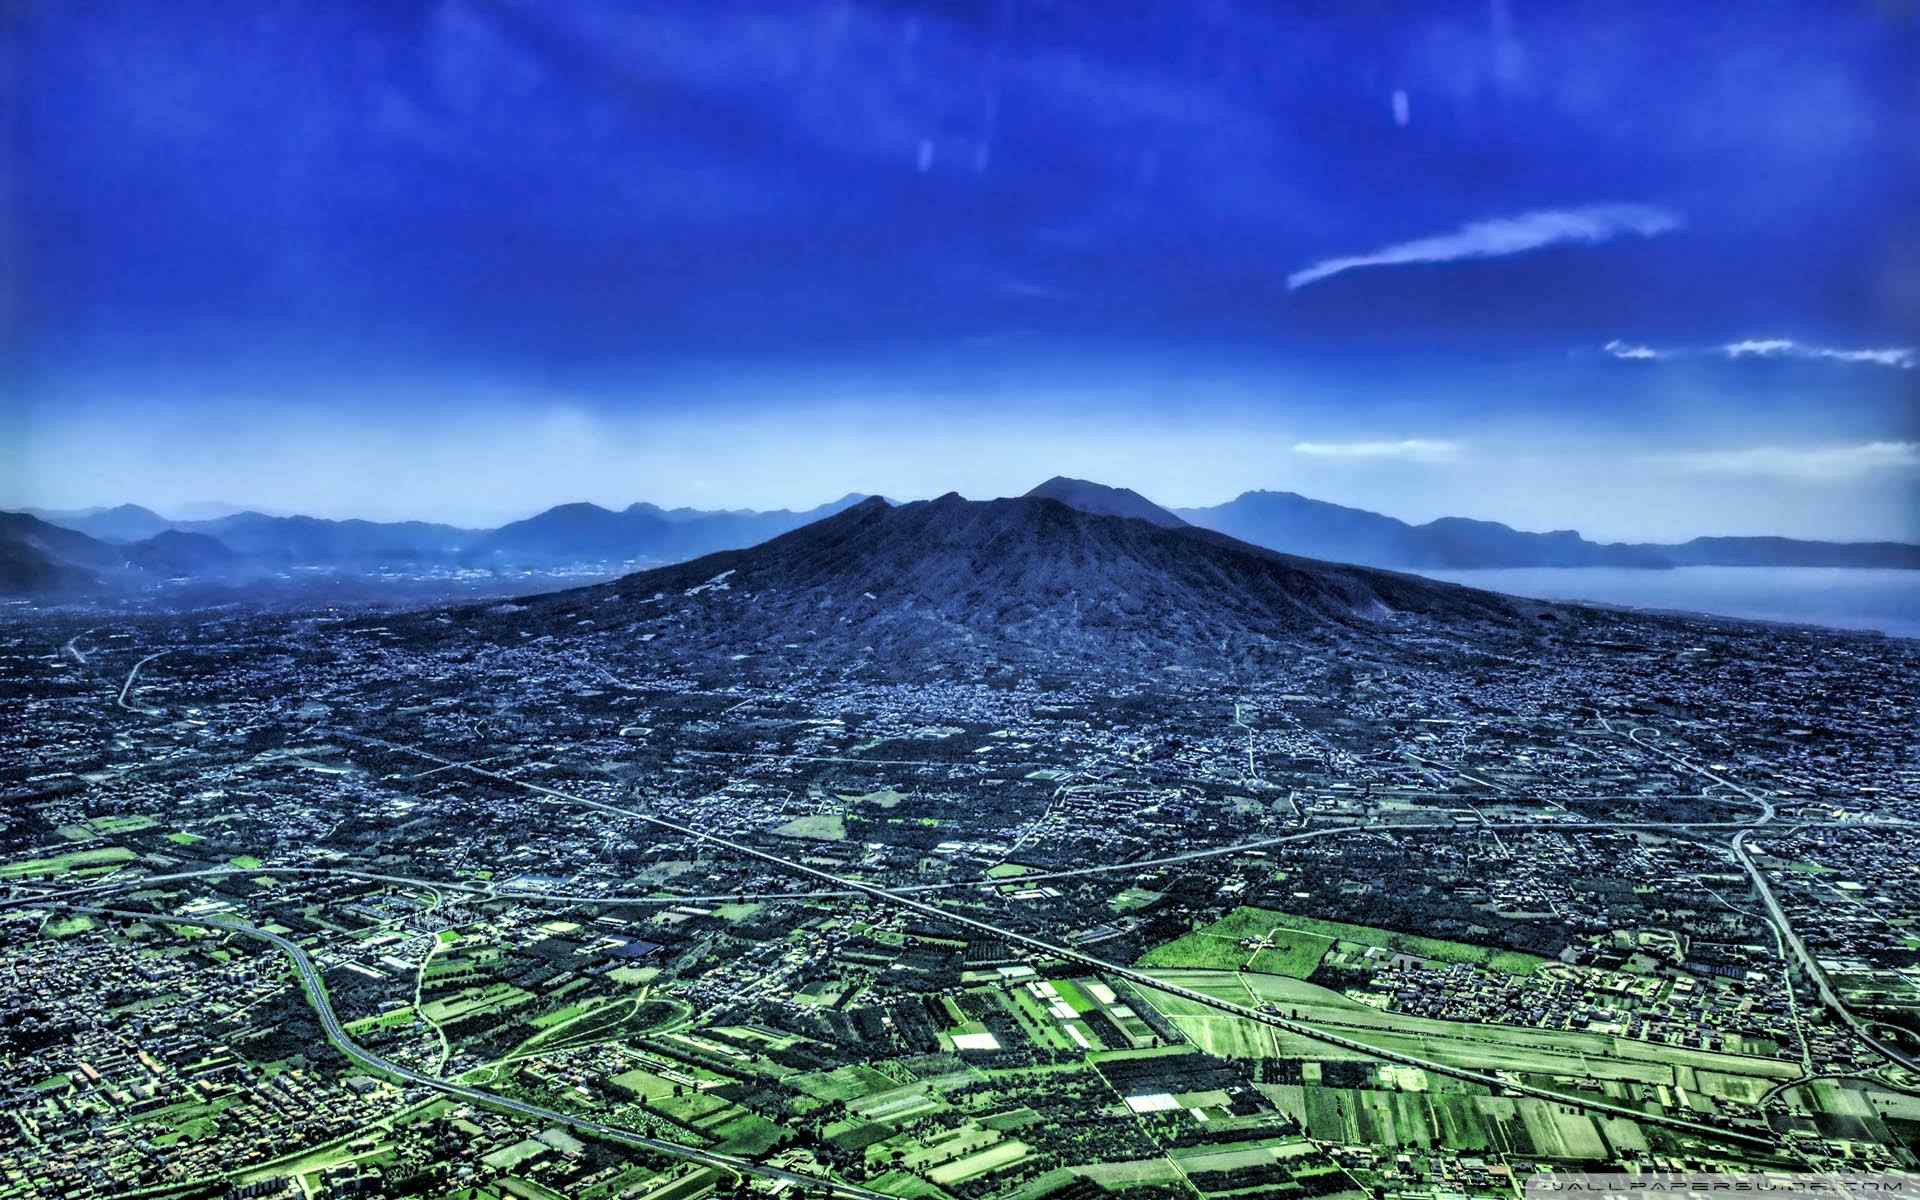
1823	464
1502	236
1409	449
1628	350
1903	357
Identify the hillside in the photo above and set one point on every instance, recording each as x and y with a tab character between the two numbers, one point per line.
1029	576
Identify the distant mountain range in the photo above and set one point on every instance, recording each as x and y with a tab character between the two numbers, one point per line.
40	558
1317	529
943	577
75	551
577	532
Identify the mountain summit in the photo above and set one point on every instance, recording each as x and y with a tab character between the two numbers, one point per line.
1031	576
1104	501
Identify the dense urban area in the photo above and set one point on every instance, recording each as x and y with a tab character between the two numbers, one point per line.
332	904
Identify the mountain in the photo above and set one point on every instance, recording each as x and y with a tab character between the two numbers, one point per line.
317	540
568	535
39	558
587	532
948	576
1298	525
173	552
1461	542
60	544
27	570
572	532
1104	501
122	523
1786	552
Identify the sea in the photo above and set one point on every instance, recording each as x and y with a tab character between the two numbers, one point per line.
1839	598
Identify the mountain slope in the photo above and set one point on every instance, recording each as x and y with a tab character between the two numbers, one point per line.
27	570
1104	501
38	558
60	544
173	552
951	576
122	523
573	532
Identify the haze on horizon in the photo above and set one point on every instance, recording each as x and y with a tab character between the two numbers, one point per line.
1635	269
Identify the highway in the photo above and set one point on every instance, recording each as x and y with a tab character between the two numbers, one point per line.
1811	965
73	647
323	1007
500	891
128	685
1716	1133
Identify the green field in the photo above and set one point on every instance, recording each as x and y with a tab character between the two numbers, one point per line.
1276	948
1296	945
468	1001
980	1162
1513	962
820	827
61	864
1460	1043
1132	898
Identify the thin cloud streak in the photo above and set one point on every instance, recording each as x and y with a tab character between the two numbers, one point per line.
1900	357
1632	352
1817	464
1409	449
1502	236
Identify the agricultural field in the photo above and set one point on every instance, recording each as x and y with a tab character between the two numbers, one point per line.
819	827
72	862
1251	939
1511	962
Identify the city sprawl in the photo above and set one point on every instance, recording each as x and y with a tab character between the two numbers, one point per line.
416	905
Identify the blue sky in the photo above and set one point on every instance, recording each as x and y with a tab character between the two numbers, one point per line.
1647	270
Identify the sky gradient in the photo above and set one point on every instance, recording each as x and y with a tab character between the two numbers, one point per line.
1644	270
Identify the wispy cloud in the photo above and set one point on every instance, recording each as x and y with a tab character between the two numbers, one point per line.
1629	350
1411	449
1904	357
1501	236
1808	463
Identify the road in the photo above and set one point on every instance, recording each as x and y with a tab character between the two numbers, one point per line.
1810	964
1688	765
330	1021
128	685
1253	776
1716	1133
1778	915
73	647
500	891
